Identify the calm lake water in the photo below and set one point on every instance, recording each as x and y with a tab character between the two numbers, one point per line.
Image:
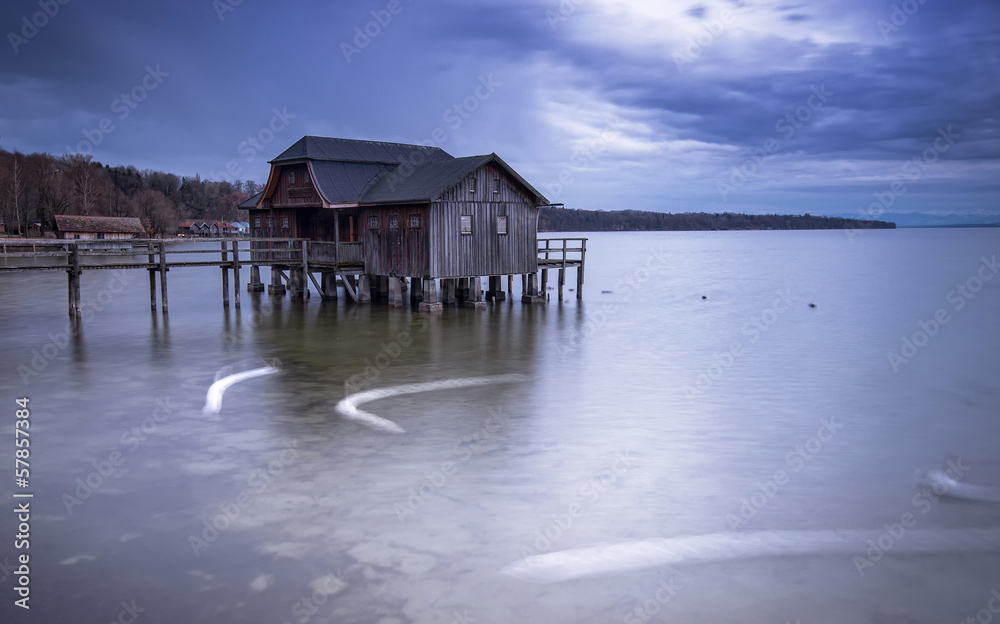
693	391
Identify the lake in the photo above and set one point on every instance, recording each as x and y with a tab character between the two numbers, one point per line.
780	388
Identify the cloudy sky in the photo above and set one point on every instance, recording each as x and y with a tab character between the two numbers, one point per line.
716	105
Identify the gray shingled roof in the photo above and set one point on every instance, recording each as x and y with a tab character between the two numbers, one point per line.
107	225
352	150
345	182
429	181
348	171
252	202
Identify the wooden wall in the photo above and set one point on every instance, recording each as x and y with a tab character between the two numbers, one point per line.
402	251
484	252
301	192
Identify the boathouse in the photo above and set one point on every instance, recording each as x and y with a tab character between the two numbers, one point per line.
98	228
391	211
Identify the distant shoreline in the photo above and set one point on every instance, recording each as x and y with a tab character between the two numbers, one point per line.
555	219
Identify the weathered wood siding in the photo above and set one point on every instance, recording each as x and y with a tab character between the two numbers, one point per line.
272	223
484	251
301	192
403	251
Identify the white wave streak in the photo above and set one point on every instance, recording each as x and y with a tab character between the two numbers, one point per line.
348	406
940	482
720	547
213	400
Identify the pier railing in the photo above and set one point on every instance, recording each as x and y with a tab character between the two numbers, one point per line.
561	252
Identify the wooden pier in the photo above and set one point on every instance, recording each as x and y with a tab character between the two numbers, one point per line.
294	263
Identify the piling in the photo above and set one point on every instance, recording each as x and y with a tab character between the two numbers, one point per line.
430	301
152	277
225	276
163	277
236	273
395	292
74	281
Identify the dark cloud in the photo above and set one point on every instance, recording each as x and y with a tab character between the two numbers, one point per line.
389	71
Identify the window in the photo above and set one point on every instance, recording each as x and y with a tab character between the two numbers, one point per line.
414	221
76	236
305	176
496	184
393	222
502	224
472	185
99	235
291	177
256	222
372	222
284	223
466	224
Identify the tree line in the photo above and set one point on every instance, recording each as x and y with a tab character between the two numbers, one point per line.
36	187
555	219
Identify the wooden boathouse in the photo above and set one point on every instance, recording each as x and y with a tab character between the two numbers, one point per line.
381	216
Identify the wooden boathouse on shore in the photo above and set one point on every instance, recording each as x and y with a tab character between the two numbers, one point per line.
384	216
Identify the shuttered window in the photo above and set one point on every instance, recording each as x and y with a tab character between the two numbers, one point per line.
466	224
414	221
502	224
372	222
284	222
393	222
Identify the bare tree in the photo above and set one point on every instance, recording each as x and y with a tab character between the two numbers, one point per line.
16	192
158	214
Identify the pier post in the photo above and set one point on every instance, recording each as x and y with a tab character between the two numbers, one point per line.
545	282
475	299
276	288
430	301
395	292
225	276
74	281
295	285
495	292
236	273
329	286
255	285
579	271
510	287
562	282
152	277
448	288
416	290
364	289
163	276
305	270
531	293
383	287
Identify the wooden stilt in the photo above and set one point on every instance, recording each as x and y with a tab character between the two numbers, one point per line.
74	281
562	282
225	276
510	287
152	278
579	271
163	277
236	274
416	290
